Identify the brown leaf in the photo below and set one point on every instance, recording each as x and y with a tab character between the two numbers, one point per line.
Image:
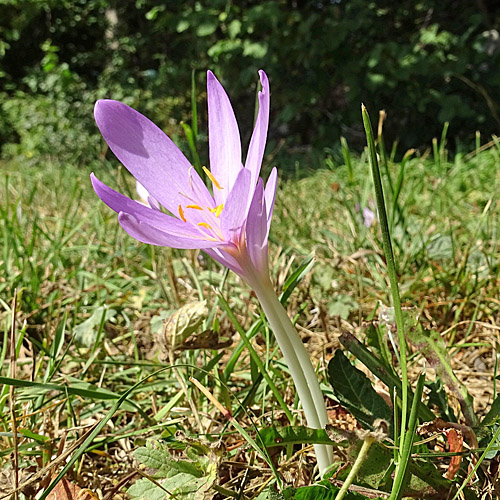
455	443
65	490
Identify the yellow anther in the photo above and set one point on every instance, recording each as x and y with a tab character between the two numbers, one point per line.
204	224
212	178
196	207
217	210
181	213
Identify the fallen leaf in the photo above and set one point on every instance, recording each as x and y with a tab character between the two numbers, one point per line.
66	490
455	443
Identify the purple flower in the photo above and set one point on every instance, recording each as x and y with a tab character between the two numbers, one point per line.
232	224
368	217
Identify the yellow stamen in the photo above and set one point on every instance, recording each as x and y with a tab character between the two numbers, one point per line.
204	224
196	207
217	210
181	213
212	178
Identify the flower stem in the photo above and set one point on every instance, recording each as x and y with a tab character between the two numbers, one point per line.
298	362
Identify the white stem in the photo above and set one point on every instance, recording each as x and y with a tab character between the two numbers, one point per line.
298	362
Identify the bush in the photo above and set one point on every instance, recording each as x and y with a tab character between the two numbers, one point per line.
425	63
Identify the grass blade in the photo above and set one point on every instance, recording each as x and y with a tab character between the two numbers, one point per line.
391	267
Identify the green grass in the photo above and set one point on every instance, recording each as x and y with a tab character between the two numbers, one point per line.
91	301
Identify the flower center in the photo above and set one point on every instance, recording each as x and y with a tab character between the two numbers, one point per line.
209	217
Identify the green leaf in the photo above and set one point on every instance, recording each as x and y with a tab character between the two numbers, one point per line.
256	50
320	491
296	277
439	398
495	447
187	477
154	457
85	333
183	25
153	13
206	28
234	28
32	435
144	488
377	467
342	306
440	247
280	436
355	392
381	371
494	412
83	389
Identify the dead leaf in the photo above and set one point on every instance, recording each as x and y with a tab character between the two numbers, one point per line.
455	443
66	490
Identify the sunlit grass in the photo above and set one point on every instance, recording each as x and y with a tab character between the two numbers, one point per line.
91	301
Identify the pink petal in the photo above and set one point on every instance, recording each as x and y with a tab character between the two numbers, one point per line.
259	135
151	235
235	210
257	230
142	214
149	155
224	138
224	258
270	195
120	203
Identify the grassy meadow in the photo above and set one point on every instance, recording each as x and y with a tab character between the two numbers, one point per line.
90	381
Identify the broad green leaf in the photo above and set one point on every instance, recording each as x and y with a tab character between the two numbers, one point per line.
144	488
376	469
355	392
186	477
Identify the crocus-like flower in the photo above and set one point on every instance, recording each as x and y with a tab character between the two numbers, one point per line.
231	225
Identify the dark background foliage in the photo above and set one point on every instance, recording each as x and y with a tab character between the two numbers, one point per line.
425	62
